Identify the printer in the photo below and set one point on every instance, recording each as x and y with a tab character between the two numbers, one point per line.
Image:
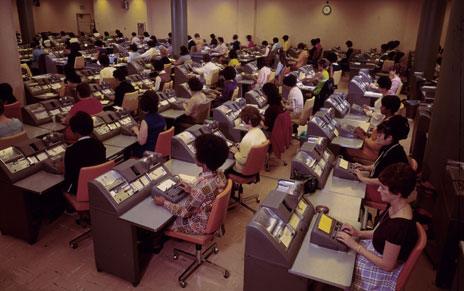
227	115
338	102
257	97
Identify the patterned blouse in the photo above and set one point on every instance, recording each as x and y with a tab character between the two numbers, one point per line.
193	212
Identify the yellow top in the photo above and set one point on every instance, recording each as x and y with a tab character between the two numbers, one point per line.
234	63
286	45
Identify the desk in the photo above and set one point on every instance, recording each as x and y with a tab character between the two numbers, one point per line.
180	167
355	123
50	126
121	141
112	151
344	187
364	118
324	265
148	215
34	131
351	143
39	182
341	207
172	113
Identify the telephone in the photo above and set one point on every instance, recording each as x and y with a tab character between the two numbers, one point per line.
170	188
324	233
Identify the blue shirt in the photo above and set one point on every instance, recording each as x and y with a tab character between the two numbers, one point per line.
156	124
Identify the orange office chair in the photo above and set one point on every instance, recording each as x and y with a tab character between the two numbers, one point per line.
13	110
215	222
13	139
164	142
79	63
413	257
250	173
281	135
130	102
80	201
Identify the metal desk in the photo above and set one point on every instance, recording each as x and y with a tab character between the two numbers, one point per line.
324	265
355	123
112	151
341	207
172	113
34	131
180	167
148	215
121	141
53	127
344	187
351	143
39	182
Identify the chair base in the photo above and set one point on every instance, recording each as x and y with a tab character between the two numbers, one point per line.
74	243
199	258
240	200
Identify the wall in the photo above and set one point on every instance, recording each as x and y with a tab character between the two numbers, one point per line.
159	17
57	15
110	15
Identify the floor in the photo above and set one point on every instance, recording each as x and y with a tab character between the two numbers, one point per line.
51	264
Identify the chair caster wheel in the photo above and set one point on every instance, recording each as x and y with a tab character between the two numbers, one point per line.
175	257
216	250
226	274
73	245
257	200
183	284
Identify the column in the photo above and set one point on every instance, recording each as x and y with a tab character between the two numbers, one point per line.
10	71
428	37
178	24
446	132
26	19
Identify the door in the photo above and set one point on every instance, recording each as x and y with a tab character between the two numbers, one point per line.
84	22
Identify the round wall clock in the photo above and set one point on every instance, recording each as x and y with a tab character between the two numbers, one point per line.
326	9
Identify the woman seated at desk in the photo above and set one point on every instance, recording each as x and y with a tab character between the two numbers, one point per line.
8	126
275	106
382	251
184	56
6	94
370	149
263	73
85	152
302	56
151	126
193	106
123	87
389	133
193	212
295	100
251	117
230	84
158	71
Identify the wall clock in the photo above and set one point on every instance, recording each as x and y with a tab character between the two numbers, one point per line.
326	9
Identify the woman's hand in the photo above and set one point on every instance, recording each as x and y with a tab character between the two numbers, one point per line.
347	240
349	229
186	186
361	175
359	133
159	200
359	166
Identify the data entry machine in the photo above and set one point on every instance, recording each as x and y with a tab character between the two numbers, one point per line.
108	124
42	112
338	102
273	238
344	169
257	97
227	115
311	164
24	183
359	91
124	216
183	143
324	233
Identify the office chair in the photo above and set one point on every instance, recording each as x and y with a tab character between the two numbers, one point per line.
281	136
212	78
12	139
326	90
130	102
164	142
412	259
215	222
250	173
13	110
80	201
337	75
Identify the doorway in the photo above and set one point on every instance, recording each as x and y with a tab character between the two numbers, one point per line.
84	22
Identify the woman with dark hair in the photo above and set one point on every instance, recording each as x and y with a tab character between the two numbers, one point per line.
74	52
6	94
275	105
123	87
230	84
193	212
233	59
151	126
133	53
382	251
184	56
389	133
255	136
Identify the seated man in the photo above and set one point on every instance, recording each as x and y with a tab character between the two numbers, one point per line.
86	152
193	212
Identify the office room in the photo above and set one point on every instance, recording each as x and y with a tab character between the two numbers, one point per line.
231	145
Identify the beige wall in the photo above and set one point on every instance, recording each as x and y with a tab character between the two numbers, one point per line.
57	15
110	15
159	17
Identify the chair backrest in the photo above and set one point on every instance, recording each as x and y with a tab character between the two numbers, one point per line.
307	109
164	142
79	63
413	257
281	134
203	113
130	102
388	65
326	90
87	174
13	110
212	78
26	69
337	75
255	160
219	209
271	77
12	139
